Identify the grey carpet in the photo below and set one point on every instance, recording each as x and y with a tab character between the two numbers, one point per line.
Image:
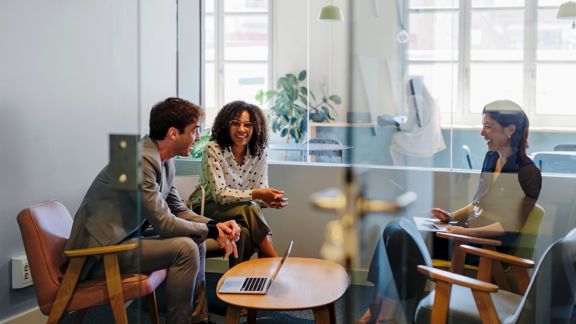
357	298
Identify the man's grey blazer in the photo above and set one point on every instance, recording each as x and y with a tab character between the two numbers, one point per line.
109	216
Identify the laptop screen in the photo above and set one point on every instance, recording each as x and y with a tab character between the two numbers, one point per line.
282	261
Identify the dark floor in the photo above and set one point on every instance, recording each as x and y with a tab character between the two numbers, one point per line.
357	298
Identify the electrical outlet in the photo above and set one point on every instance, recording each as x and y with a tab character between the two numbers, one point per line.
21	275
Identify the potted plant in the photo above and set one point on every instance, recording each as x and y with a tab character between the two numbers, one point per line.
197	149
291	103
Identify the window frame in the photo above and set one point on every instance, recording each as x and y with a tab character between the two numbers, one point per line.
460	115
219	15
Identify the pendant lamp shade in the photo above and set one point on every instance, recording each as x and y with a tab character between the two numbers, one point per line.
331	12
567	10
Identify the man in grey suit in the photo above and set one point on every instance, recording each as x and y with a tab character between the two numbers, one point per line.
109	216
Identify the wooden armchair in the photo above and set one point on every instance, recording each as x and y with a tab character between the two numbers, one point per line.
550	297
45	231
504	277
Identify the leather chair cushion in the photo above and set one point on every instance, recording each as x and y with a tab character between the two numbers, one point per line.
92	293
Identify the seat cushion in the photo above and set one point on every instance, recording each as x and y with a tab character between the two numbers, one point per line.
92	293
463	307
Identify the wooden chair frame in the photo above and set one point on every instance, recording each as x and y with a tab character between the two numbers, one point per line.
480	286
113	283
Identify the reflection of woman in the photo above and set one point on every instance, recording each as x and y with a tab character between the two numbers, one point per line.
235	176
509	184
509	187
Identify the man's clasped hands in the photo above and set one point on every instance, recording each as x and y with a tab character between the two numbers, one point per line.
228	235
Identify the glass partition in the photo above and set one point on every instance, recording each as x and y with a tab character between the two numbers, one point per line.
418	76
75	74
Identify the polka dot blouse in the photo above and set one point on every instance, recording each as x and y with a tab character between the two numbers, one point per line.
225	181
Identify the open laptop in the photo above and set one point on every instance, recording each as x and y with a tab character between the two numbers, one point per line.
253	285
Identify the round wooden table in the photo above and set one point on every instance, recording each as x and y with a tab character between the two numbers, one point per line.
302	283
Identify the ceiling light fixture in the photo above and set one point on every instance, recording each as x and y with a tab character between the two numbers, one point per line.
567	10
331	13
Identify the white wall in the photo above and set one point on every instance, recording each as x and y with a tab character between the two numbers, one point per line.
69	77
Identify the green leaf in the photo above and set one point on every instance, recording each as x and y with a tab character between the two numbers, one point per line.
259	96
198	147
302	75
285	85
284	132
336	99
294	134
304	91
312	95
304	125
292	80
300	106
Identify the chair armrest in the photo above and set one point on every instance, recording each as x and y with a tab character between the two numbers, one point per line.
468	239
100	250
203	202
498	256
452	278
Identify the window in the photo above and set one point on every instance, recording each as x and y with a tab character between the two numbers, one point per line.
237	52
494	49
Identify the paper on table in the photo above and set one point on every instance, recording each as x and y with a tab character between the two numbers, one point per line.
429	224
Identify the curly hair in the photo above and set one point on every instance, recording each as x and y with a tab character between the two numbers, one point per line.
172	112
233	110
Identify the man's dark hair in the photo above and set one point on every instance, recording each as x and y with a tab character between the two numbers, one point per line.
233	110
172	112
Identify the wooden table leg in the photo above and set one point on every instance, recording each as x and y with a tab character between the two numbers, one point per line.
251	316
332	308
232	315
322	315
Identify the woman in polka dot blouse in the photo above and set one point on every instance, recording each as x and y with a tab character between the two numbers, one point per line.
235	177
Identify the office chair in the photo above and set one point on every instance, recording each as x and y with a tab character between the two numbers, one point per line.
550	298
394	269
468	152
565	147
45	230
556	161
406	250
323	155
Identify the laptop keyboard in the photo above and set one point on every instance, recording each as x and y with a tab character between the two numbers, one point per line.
253	284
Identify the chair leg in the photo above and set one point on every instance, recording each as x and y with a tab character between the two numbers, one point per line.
153	308
114	285
441	302
66	289
486	308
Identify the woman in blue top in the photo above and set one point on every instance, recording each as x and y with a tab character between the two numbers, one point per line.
509	186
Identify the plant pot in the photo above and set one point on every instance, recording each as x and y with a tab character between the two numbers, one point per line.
318	117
